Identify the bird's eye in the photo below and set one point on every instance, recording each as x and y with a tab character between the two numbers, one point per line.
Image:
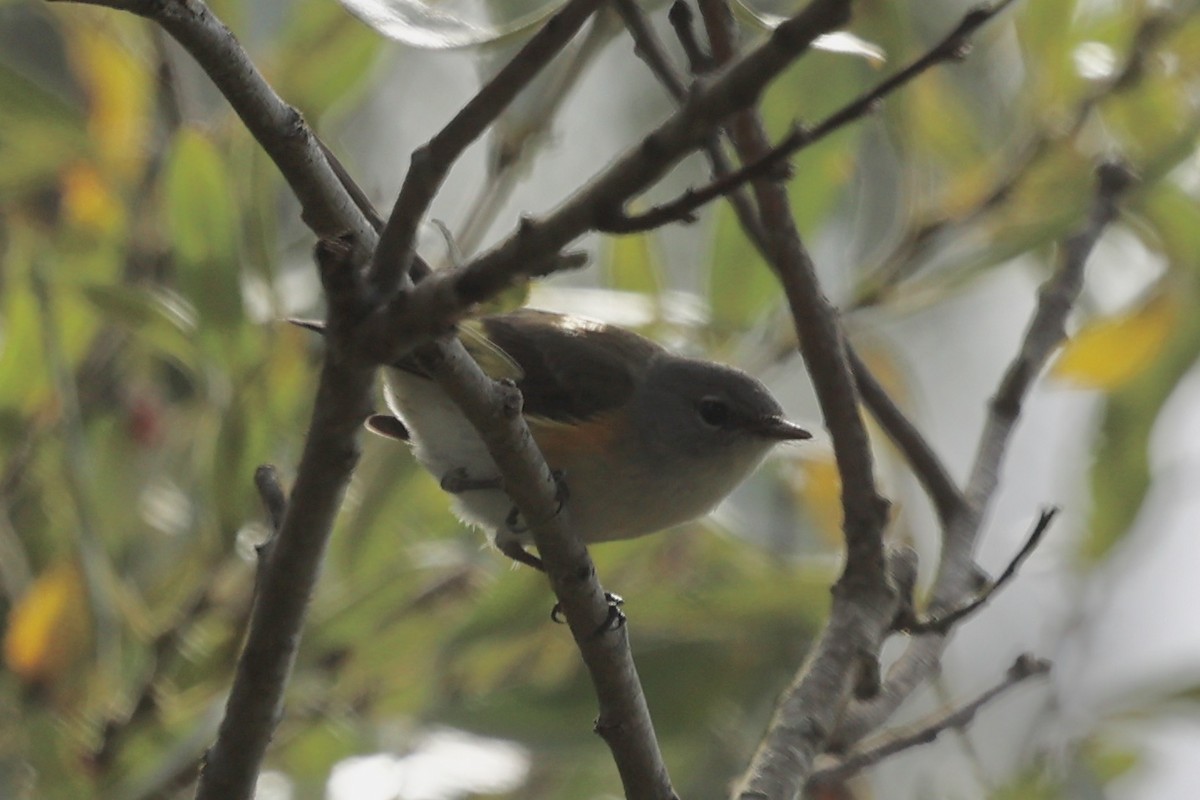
715	412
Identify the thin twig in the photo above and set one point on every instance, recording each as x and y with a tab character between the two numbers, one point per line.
817	329
448	293
651	49
906	256
948	501
954	46
1047	330
844	658
432	161
510	145
683	21
890	743
343	397
934	477
648	48
942	623
624	719
957	570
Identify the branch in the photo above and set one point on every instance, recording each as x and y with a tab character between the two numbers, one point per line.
1046	331
948	501
818	331
956	570
331	451
925	732
624	719
946	497
652	51
905	258
432	161
845	655
942	623
343	399
954	46
448	293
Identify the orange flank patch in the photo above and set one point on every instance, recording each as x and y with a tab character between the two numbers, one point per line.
564	443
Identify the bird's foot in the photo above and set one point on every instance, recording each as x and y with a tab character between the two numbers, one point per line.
513	523
616	617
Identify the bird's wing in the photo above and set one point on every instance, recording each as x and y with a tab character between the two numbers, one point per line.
567	368
570	370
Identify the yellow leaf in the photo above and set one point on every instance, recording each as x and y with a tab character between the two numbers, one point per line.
48	627
87	200
120	92
1110	351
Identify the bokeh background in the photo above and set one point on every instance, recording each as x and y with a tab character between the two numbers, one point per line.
149	251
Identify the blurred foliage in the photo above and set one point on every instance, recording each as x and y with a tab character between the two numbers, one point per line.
145	379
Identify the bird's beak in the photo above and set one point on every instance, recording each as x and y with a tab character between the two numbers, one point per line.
779	429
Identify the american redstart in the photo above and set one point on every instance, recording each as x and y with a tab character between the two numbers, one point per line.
644	439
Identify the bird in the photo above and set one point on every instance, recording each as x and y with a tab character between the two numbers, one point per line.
641	439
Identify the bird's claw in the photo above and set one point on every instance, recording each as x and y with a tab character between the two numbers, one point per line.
615	620
561	493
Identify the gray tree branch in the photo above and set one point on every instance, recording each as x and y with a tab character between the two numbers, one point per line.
343	400
432	161
956	575
889	743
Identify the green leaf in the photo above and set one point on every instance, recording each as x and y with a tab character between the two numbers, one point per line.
741	288
203	220
39	133
161	320
1121	473
327	56
632	265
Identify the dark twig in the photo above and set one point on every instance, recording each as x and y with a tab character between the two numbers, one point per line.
651	49
888	744
624	719
447	293
942	623
954	46
432	161
945	495
957	571
844	658
817	329
930	471
331	450
906	256
683	21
